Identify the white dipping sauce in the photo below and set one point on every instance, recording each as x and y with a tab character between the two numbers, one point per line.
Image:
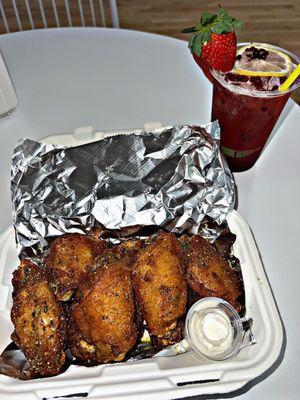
211	332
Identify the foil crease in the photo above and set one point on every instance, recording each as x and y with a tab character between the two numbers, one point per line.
173	177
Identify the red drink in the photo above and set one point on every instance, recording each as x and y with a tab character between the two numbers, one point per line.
247	109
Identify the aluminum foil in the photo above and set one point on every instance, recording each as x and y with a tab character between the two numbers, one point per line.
173	177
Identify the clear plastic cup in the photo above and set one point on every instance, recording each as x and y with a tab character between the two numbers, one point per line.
247	117
213	330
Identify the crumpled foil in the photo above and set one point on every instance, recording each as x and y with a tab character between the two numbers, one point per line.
173	177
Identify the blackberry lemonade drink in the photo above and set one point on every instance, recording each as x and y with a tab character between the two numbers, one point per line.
247	102
247	79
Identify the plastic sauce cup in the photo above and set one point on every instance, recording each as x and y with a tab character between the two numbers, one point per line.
213	330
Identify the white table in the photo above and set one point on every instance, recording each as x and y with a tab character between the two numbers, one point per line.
66	78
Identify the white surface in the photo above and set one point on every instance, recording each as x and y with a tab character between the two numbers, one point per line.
160	375
120	79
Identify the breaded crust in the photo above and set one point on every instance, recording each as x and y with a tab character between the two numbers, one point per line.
71	257
208	274
102	325
128	251
160	286
38	320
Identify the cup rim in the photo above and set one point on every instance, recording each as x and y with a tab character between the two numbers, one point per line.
257	93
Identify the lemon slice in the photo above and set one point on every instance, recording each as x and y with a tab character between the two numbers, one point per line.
258	60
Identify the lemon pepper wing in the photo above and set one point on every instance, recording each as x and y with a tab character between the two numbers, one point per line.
71	257
38	320
102	324
160	287
209	274
128	251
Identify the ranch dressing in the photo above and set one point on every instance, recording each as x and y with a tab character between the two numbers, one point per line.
212	332
213	329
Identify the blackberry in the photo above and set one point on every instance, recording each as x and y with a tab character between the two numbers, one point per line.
257	82
252	53
236	78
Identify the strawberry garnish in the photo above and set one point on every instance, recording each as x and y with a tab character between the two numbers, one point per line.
213	44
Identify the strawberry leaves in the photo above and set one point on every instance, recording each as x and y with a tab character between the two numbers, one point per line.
225	23
210	23
189	30
195	44
207	18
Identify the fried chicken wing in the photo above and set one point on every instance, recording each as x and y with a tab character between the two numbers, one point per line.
160	287
38	320
102	323
128	251
208	274
71	257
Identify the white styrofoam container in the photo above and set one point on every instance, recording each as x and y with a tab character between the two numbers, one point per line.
164	377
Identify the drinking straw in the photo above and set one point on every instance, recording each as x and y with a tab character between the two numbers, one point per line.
290	80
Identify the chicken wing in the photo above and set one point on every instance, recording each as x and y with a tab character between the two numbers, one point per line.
71	257
208	274
160	287
128	251
102	324
38	320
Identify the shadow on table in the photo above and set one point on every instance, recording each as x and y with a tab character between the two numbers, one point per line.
261	377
